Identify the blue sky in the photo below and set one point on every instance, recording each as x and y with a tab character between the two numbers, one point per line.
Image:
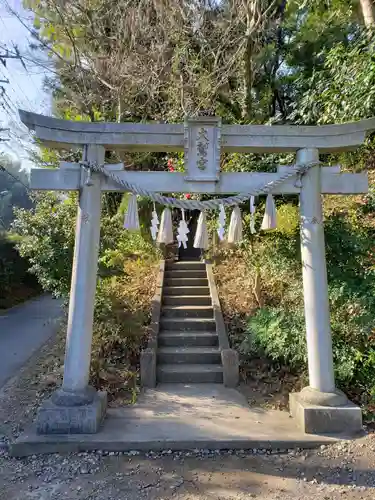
25	87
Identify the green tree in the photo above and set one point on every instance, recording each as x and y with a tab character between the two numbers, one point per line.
13	190
47	240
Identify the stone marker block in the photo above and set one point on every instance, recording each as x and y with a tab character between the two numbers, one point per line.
229	359
314	419
148	368
84	419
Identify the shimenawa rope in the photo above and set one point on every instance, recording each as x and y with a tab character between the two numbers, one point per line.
296	170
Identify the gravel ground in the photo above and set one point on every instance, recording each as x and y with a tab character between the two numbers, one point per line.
343	470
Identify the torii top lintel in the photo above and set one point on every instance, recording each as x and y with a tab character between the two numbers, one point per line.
202	139
173	137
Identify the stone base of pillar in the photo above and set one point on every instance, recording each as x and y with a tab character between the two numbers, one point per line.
324	414
55	418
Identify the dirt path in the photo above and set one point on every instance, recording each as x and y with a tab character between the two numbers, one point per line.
340	471
23	329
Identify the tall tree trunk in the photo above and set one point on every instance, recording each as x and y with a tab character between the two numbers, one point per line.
119	108
249	77
277	96
367	7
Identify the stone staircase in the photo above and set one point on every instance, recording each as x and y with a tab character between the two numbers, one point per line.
188	345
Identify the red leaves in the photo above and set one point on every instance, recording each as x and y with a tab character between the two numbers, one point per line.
170	165
172	169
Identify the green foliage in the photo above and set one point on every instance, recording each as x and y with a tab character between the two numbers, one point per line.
17	284
287	219
344	88
129	246
127	266
13	190
276	256
278	330
122	314
279	334
47	241
251	162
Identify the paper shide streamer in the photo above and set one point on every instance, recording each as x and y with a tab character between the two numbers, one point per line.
164	234
182	231
154	224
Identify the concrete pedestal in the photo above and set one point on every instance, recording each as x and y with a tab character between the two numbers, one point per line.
148	368
72	419
230	361
319	419
180	417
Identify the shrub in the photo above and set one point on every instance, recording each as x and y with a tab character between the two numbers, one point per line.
122	314
279	334
17	284
278	329
47	240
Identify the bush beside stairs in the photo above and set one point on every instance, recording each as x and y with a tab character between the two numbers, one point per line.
189	344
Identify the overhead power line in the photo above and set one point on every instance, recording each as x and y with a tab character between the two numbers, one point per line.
34	61
8	55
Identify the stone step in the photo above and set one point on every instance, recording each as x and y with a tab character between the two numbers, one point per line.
181	324
186	290
190	374
192	265
184	311
185	273
187	300
187	339
185	282
188	355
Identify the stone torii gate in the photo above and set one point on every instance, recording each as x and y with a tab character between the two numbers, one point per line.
78	408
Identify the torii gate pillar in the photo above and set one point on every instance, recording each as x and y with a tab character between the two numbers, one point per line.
76	407
320	407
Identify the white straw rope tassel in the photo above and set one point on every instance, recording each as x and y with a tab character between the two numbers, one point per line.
166	229
235	226
201	235
269	219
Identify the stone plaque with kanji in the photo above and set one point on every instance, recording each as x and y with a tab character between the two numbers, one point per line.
202	148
